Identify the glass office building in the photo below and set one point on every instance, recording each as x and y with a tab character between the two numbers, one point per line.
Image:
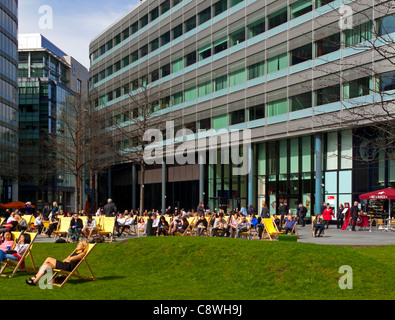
289	71
8	100
47	79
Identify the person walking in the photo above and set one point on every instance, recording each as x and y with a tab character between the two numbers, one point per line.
302	214
110	208
327	215
340	216
354	215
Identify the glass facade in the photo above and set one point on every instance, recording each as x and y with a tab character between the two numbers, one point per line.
238	64
8	100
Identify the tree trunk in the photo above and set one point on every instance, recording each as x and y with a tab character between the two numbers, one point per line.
75	193
142	175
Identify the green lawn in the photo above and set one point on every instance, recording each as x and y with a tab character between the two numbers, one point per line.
172	268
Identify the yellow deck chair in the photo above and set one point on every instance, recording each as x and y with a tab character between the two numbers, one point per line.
17	265
63	227
270	230
75	272
28	219
108	228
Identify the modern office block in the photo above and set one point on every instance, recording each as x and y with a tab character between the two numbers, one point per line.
48	78
289	71
8	100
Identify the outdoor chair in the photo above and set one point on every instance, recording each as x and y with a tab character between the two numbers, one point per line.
108	228
75	272
19	265
63	228
270	230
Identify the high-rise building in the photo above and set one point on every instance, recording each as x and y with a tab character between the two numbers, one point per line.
294	72
48	79
8	100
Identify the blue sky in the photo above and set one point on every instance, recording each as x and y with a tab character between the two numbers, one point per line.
75	23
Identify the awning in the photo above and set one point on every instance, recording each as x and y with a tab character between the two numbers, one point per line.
384	194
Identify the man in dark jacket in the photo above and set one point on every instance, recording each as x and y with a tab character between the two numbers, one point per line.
354	215
283	211
75	228
302	214
110	209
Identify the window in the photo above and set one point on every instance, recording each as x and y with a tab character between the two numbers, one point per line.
165	6
144	21
220	83
125	61
256	28
154	14
387	81
144	50
277	18
125	34
204	15
117	39
256	112
109	45
134	56
117	66
327	95
277	107
320	3
256	70
177	98
220	7
190	24
190	58
205	52
220	45
165	38
154	44
220	121
277	63
165	70
237	37
177	65
356	88
205	124
234	2
328	45
135	27
190	94
237	77
301	7
302	54
237	116
386	25
177	31
301	101
358	34
155	75
204	88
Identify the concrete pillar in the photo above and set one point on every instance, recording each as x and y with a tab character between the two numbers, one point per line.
201	176
318	173
164	179
134	187
250	159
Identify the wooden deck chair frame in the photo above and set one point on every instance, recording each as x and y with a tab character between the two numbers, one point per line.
312	228
16	265
188	230
63	227
270	230
75	272
28	219
132	231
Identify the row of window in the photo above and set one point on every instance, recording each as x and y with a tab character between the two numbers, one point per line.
136	26
253	29
239	73
258	110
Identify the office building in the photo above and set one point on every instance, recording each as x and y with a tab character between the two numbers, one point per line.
292	72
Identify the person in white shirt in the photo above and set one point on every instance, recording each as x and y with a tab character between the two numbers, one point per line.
120	223
155	223
90	226
38	223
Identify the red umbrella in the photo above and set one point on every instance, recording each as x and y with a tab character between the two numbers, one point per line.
14	205
383	194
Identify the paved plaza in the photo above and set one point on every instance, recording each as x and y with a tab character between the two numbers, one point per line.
333	236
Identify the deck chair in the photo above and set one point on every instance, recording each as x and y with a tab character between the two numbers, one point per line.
132	231
28	219
108	228
270	230
17	265
75	272
312	227
188	230
63	227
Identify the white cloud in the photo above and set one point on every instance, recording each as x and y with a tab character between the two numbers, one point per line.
75	23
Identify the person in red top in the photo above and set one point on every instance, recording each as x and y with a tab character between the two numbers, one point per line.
327	215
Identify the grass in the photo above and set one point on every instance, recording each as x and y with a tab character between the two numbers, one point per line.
192	268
